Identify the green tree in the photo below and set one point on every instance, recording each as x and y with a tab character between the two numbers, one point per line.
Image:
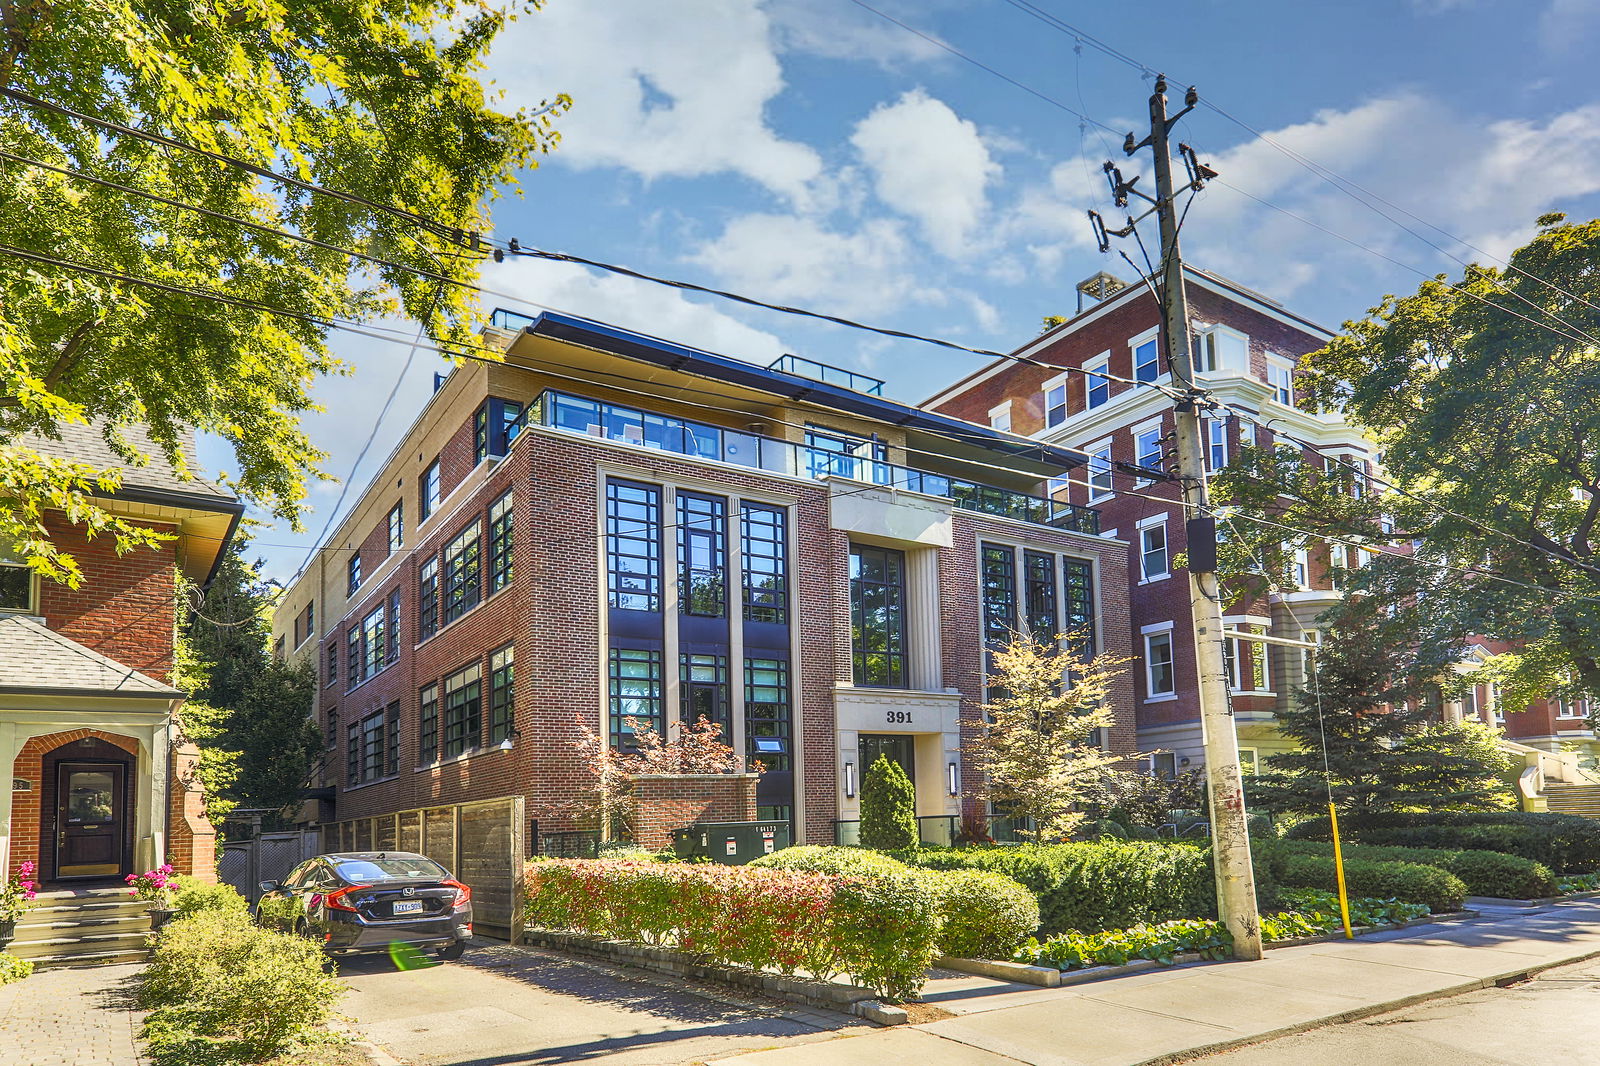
888	807
378	100
1372	701
1482	396
1037	747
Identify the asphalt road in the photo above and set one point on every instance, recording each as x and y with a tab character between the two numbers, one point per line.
502	1006
1551	1020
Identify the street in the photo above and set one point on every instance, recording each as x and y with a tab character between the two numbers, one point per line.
1551	1019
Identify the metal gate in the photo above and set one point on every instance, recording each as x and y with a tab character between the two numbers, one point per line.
482	843
269	857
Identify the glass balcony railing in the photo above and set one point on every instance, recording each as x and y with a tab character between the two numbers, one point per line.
938	830
800	366
630	425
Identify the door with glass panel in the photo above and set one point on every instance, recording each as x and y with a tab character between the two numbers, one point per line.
91	815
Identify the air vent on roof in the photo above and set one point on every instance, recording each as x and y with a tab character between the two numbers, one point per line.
1099	287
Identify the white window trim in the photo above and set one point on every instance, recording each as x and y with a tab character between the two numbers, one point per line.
1002	410
1166	546
1151	334
1100	364
1092	450
1145	633
1278	362
1152	425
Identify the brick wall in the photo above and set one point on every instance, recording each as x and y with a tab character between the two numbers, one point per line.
670	801
191	839
27	807
123	608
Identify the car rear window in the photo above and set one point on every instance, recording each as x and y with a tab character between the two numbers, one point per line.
391	868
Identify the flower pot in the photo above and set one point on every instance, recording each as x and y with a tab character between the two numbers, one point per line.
159	916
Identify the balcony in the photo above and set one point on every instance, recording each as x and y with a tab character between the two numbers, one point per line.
630	425
800	366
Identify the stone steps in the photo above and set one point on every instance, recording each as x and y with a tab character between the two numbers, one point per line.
83	927
1583	800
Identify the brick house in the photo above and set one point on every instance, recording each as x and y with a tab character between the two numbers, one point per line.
610	527
101	779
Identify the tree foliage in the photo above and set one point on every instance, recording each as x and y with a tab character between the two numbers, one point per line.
375	99
1387	749
888	807
1483	396
1037	744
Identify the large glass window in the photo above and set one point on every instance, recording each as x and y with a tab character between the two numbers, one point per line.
463	710
373	747
428	725
999	593
1077	588
391	649
636	700
702	555
633	545
763	539
352	569
373	653
428	598
428	491
704	691
397	526
830	452
877	616
1039	595
766	712
463	585
480	434
501	518
352	656
502	712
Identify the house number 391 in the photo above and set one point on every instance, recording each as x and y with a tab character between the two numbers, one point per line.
898	717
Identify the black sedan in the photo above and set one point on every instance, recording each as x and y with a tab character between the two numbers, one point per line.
371	901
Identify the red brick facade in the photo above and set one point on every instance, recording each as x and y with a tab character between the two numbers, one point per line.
667	802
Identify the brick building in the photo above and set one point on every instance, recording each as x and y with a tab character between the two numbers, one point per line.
609	527
102	781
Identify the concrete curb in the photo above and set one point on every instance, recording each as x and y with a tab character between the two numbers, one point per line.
375	1054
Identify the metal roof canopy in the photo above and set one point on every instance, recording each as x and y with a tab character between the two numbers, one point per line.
793	387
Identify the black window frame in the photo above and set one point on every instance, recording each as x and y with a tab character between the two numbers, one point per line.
764	555
702	528
461	711
1078	603
653	714
1041	599
502	522
894	651
332	664
997	573
392	645
502	693
428	724
429	493
774	723
693	668
633	541
352	573
427	598
462	580
395	525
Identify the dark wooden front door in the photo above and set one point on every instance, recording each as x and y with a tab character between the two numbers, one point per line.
91	816
897	746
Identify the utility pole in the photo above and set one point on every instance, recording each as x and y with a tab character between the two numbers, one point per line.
1230	838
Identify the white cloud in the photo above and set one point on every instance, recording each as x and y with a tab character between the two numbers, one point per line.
1566	24
784	258
664	90
837	29
931	165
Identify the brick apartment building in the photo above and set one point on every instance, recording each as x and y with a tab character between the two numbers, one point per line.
610	527
101	779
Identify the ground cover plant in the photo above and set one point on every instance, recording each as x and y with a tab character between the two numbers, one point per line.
1578	883
222	990
879	926
13	968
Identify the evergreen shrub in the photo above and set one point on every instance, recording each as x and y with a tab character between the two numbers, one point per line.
1441	891
193	896
888	807
1485	873
1566	843
985	914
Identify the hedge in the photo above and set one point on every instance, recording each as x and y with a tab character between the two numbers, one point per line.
1412	882
878	927
193	896
983	915
1485	873
1566	843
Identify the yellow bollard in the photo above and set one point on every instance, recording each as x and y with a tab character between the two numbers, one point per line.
1338	869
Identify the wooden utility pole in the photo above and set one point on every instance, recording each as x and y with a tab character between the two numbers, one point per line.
1230	838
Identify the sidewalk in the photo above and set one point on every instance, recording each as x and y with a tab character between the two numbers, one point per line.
70	1017
1187	1011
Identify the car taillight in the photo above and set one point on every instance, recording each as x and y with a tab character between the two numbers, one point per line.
336	901
463	895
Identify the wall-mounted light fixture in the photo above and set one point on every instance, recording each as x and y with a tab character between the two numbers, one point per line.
1183	762
954	776
849	780
510	741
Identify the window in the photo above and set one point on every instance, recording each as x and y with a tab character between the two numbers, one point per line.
832	452
1077	597
763	541
502	514
428	491
636	701
704	691
374	747
1099	385
1216	443
1158	663
480	434
428	725
766	712
1039	595
1164	764
1218	349
16	585
373	655
1300	568
502	711
428	598
702	555
1246	665
1147	449
463	710
1100	485
392	731
1055	404
999	576
397	526
1153	551
463	587
877	616
494	426
352	658
353	573
1146	361
1000	417
392	645
1249	759
333	664
277	649
633	546
1280	375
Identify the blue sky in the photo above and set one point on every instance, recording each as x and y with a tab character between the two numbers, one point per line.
814	153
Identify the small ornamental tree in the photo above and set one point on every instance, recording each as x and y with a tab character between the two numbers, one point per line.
1037	746
888	807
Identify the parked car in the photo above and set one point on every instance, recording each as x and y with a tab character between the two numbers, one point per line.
369	901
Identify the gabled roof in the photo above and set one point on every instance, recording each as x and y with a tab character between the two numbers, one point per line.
86	443
38	661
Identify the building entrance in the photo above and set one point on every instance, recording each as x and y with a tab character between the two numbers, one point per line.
899	747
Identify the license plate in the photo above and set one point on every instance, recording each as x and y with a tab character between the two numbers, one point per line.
408	906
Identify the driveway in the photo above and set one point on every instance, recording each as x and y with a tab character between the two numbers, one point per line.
505	1006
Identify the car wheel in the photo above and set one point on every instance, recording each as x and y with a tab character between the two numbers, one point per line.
452	950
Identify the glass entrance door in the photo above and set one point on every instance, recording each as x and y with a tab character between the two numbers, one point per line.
90	818
897	746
